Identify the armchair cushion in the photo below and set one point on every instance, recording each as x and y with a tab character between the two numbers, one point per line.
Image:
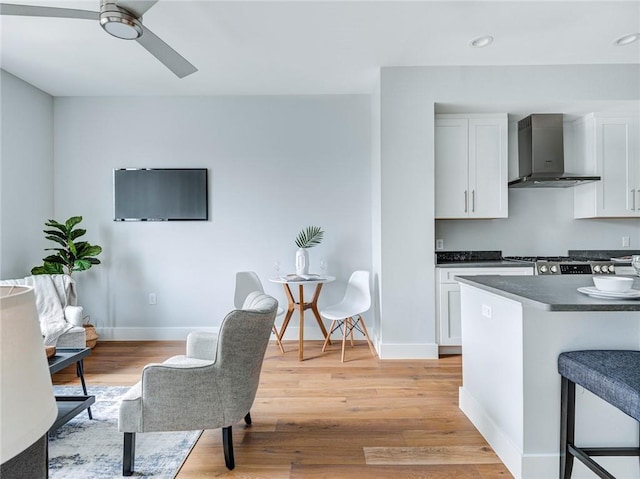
202	345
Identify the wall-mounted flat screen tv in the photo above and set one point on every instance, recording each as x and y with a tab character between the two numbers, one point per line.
160	194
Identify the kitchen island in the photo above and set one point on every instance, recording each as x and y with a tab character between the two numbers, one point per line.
513	329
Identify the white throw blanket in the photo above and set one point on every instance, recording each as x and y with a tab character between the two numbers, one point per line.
51	293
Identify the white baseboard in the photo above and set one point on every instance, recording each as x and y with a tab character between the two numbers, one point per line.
178	334
312	334
408	351
449	350
148	334
502	446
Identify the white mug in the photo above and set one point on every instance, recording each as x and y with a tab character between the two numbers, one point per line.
74	315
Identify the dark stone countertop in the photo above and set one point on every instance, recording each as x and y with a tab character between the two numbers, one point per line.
486	264
467	256
551	293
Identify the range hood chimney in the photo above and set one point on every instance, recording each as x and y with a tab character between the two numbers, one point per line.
541	154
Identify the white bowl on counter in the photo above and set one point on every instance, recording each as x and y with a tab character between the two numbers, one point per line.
613	284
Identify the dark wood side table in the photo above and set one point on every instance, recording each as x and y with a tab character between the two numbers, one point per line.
71	406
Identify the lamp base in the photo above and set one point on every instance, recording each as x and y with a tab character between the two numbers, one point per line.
32	463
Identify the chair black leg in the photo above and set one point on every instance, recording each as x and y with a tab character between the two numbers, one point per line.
227	443
247	419
567	426
129	453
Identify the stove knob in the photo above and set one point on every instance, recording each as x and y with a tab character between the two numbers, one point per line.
554	269
612	269
543	268
596	269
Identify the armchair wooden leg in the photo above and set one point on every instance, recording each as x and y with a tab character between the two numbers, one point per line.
227	444
247	419
129	453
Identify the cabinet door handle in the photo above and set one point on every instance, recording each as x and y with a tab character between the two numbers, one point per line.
465	201
633	200
473	201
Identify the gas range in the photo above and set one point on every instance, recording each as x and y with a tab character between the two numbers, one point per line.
544	265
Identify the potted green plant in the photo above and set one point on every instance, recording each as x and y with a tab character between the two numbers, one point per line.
307	238
71	255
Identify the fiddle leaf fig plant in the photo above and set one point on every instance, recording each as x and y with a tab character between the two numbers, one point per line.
309	237
71	255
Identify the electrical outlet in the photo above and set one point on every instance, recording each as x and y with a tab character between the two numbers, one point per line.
152	298
625	241
439	244
486	311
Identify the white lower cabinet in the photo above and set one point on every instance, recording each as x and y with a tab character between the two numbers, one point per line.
448	321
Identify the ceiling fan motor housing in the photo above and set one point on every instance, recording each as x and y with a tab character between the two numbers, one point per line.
119	22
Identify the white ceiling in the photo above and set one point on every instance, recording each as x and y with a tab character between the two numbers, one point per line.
307	47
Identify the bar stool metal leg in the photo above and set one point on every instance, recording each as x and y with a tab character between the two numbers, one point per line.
567	426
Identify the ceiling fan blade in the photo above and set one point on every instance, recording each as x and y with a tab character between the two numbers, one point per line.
137	7
37	11
167	55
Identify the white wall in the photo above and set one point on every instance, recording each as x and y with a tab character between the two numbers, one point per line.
540	223
408	96
276	165
26	169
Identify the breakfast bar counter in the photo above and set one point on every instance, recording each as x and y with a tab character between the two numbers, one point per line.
513	329
551	293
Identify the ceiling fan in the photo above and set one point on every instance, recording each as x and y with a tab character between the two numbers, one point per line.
120	18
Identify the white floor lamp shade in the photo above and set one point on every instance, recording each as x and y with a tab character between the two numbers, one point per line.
27	404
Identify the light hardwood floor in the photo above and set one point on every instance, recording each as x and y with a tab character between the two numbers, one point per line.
321	418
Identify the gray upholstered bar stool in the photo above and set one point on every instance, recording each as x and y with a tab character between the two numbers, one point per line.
612	375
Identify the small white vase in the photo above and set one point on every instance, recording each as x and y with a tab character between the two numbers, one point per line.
302	261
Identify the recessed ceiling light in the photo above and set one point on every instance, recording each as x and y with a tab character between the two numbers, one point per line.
627	39
482	41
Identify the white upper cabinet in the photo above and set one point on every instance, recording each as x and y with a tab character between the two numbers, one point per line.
608	146
471	166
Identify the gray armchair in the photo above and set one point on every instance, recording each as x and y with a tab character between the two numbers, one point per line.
212	386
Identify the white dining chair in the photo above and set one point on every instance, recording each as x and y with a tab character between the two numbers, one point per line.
247	282
347	314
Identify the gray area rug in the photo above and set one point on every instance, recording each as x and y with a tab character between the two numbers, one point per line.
92	449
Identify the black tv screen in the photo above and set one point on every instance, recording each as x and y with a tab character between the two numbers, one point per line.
160	194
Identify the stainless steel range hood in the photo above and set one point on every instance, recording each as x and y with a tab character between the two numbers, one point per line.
541	154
